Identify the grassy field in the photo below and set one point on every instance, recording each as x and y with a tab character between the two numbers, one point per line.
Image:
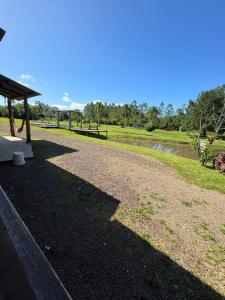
189	169
156	135
115	131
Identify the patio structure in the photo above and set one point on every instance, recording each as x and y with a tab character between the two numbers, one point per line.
2	33
80	130
12	90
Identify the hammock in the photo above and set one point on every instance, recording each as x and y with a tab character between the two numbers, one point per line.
14	123
21	127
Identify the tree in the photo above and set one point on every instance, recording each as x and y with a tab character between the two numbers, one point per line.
208	111
153	116
99	108
169	115
180	119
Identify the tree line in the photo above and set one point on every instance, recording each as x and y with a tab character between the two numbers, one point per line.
206	112
136	115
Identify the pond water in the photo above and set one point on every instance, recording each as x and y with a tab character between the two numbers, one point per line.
172	148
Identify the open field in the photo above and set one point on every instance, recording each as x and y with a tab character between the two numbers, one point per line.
140	133
188	169
102	207
115	131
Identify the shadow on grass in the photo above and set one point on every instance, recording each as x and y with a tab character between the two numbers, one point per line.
95	257
94	135
221	137
90	134
210	167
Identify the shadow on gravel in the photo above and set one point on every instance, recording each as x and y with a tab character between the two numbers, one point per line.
95	257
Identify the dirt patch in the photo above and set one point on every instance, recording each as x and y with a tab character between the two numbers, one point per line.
119	225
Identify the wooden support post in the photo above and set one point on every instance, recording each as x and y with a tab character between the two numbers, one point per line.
27	118
10	110
69	120
58	119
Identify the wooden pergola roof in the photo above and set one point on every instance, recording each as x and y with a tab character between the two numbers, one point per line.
13	90
2	33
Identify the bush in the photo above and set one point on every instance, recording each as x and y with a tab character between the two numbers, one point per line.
121	123
107	122
206	156
182	128
149	126
137	124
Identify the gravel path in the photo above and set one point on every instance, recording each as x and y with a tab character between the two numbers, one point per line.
91	208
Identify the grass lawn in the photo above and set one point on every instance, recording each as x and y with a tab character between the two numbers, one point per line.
189	169
156	135
115	131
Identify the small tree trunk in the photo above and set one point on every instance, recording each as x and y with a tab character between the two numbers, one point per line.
10	110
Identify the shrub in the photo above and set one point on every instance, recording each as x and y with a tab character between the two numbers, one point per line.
137	124
206	156
121	123
149	126
182	128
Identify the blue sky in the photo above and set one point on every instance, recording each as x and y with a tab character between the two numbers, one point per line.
75	52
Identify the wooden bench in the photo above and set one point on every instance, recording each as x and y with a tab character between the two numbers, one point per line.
90	131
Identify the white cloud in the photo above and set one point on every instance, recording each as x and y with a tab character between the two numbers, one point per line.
77	105
103	102
98	101
26	79
61	107
66	97
73	106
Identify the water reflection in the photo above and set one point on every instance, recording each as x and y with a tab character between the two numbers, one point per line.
183	150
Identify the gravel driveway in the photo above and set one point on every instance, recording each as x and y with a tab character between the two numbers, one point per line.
119	225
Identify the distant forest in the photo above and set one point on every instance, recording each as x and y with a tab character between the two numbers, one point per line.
207	112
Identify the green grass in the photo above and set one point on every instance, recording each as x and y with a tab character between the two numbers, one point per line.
194	201
167	227
218	253
115	132
156	135
203	231
158	200
187	203
157	197
222	229
170	233
188	169
144	211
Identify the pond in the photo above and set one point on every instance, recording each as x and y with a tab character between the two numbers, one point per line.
172	148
